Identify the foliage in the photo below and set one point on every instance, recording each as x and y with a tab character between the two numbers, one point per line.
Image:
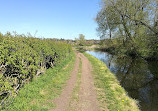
133	24
38	95
81	40
23	58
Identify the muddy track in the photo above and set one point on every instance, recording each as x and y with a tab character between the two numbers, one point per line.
87	94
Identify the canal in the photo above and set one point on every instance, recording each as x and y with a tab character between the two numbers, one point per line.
138	77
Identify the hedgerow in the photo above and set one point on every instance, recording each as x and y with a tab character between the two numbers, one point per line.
23	58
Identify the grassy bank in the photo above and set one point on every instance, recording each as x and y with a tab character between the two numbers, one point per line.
110	93
38	95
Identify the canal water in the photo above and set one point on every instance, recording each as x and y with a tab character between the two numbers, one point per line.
138	77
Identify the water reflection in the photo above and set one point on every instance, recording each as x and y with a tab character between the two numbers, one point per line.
137	76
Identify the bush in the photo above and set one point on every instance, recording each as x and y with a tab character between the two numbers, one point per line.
23	58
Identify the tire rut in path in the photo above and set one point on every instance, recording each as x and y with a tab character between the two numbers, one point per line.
63	100
87	94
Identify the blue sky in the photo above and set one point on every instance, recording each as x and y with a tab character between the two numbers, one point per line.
51	18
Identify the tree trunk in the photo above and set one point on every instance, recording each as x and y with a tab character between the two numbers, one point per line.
126	29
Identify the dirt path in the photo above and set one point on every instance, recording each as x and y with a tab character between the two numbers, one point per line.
87	94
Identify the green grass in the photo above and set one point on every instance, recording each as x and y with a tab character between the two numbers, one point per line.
39	94
75	94
85	48
110	93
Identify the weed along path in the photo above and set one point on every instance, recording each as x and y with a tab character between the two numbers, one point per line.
79	93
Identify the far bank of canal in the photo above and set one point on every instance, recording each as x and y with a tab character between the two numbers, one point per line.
137	76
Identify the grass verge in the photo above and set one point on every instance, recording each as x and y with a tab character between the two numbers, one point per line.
39	94
110	93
